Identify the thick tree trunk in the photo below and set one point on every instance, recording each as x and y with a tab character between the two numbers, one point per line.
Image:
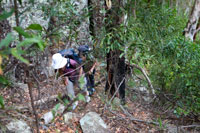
115	64
192	25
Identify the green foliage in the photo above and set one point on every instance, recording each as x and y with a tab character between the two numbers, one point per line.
179	74
4	81
5	42
22	32
82	82
55	109
81	97
16	53
155	40
6	15
66	18
34	27
1	102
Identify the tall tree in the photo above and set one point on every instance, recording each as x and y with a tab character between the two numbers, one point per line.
193	22
115	64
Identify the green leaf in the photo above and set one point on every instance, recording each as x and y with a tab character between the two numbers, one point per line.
1	102
66	102
5	42
81	82
30	41
15	53
81	97
3	80
34	27
22	32
55	109
6	15
160	123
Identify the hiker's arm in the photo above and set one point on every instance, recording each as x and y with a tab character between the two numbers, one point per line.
80	72
66	79
93	67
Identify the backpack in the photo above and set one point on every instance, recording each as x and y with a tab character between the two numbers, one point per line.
70	53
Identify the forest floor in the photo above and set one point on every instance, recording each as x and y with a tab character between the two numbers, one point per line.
135	116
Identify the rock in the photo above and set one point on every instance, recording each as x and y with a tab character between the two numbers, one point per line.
48	117
51	71
172	128
18	126
22	86
70	117
92	123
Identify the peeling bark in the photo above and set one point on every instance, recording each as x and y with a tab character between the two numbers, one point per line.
192	25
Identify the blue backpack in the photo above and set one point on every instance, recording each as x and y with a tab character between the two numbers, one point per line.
70	53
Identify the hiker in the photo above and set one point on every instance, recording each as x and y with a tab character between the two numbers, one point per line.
69	69
89	64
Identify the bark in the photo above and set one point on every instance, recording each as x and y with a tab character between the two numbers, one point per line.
17	17
115	64
4	27
30	86
192	25
96	17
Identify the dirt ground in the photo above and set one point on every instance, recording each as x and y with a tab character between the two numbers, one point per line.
135	116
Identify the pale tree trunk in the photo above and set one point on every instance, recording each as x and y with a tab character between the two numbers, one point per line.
83	30
192	25
96	17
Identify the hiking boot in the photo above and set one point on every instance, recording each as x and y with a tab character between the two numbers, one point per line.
91	91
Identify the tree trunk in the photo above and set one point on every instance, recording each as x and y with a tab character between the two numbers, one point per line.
17	17
96	17
115	64
4	27
192	25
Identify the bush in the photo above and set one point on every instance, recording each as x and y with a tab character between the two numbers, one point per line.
177	72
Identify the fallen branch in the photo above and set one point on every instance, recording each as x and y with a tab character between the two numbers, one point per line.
146	76
138	120
189	126
47	99
116	90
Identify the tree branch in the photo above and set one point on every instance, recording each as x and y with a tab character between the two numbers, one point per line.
146	76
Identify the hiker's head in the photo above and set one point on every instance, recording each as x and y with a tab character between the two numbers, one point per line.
58	61
83	50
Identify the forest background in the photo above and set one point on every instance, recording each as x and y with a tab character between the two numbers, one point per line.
158	40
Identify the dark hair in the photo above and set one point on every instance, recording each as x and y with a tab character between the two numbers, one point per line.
83	49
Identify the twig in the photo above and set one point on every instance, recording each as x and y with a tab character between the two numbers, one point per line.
100	81
116	90
33	107
44	100
138	120
189	126
38	84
